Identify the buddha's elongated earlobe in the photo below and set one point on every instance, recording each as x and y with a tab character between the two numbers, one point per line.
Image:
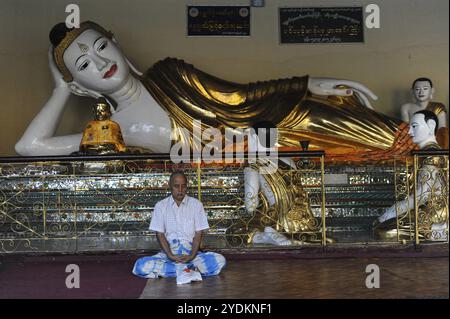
111	102
133	68
432	126
79	90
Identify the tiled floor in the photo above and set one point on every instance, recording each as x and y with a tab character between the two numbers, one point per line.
314	278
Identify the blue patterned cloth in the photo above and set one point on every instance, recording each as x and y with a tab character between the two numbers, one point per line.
159	265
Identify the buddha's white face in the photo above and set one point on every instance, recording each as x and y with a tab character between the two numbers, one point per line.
423	92
96	62
419	130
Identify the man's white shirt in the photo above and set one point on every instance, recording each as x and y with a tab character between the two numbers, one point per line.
179	222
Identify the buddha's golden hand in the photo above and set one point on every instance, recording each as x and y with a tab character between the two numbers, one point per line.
327	86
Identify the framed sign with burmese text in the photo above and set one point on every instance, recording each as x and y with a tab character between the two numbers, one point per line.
218	20
321	25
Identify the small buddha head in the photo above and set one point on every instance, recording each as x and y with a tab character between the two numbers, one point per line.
423	89
423	127
89	58
102	110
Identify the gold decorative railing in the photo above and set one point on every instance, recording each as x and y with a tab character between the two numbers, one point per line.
75	204
431	176
403	185
421	198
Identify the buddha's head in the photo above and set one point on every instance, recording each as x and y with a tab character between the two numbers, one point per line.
89	58
423	89
423	127
102	110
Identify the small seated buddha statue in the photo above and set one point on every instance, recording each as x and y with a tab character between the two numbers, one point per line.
102	136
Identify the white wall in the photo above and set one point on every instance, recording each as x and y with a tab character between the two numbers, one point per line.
412	42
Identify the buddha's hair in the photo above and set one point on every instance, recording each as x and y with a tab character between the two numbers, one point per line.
58	33
175	174
422	80
429	115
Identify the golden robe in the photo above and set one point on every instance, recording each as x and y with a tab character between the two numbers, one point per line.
442	133
436	107
338	125
106	133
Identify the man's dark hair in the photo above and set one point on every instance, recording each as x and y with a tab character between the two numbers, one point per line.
429	116
175	174
422	80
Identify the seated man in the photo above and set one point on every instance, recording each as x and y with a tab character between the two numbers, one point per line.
179	221
423	129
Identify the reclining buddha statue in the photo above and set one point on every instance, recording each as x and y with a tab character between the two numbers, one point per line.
334	115
152	108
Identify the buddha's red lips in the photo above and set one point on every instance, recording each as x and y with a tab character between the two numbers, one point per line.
111	71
